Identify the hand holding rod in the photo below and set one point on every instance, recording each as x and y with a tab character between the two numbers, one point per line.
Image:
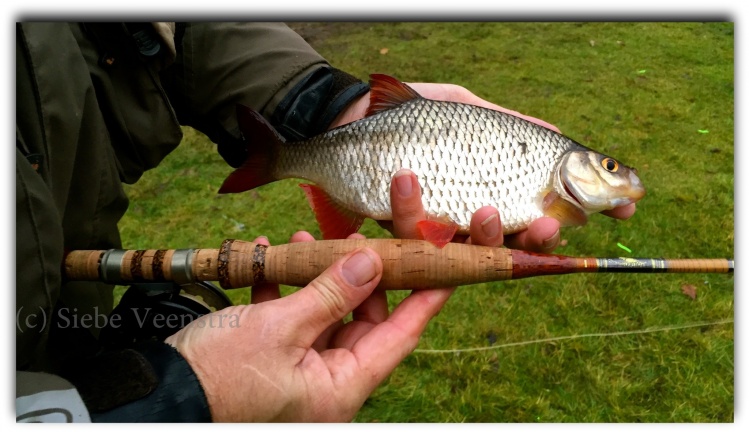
407	264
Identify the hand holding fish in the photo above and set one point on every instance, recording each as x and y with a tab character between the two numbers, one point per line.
466	152
542	235
293	358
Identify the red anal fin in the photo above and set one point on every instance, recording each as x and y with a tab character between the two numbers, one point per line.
436	233
336	221
387	93
263	142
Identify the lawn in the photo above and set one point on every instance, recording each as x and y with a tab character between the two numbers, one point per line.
659	97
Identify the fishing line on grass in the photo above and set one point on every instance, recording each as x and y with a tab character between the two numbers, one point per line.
588	335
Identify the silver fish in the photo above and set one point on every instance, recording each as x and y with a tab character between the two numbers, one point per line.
464	156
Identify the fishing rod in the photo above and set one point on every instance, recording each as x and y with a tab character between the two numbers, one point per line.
407	264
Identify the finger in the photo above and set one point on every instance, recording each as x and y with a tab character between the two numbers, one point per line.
486	227
262	240
329	338
405	199
373	302
301	236
622	213
370	313
415	311
265	291
333	294
541	236
374	309
387	344
323	341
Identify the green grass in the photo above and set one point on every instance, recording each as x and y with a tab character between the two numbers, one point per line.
588	79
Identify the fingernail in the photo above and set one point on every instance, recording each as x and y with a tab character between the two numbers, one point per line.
552	242
359	269
490	226
403	183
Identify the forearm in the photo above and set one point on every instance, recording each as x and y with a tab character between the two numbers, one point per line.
219	65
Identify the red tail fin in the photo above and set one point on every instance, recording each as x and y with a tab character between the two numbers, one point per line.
262	147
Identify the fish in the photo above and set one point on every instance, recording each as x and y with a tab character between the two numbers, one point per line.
464	156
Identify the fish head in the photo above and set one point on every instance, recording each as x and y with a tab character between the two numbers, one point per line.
596	182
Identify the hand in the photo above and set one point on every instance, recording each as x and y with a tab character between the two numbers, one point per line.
263	368
292	358
543	234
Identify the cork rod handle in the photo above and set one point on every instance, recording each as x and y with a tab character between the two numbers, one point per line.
407	264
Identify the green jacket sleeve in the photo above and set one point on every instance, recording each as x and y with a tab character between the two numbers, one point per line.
220	65
265	66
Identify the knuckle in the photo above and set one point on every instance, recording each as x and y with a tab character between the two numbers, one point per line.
407	212
331	297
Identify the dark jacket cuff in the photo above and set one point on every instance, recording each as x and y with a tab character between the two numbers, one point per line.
176	397
312	105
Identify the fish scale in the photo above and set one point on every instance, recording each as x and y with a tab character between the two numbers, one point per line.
464	156
474	159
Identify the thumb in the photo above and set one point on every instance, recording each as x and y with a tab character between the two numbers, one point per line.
333	294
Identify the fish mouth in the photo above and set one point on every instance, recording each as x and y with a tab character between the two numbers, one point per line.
632	197
637	189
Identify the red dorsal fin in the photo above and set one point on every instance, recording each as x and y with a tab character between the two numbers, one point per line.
336	221
387	93
436	233
262	146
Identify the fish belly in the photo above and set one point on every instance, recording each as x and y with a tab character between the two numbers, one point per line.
465	157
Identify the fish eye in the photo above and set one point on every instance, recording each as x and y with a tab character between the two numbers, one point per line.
610	164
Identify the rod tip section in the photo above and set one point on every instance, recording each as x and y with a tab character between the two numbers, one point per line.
730	266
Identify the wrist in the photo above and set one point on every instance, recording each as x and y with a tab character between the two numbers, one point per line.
175	393
316	103
354	111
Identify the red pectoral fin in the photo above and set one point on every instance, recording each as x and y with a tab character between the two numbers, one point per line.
564	211
336	221
436	233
